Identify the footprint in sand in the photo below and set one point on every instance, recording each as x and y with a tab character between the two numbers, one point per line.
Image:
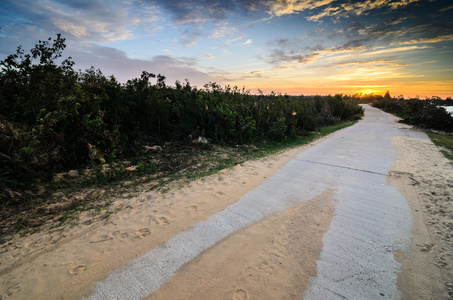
441	263
218	194
143	232
78	269
265	267
426	247
11	291
162	221
240	294
119	234
193	208
449	287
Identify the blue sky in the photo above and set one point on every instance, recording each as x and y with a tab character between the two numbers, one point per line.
289	46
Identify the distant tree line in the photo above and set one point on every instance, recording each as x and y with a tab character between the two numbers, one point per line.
53	117
425	113
371	98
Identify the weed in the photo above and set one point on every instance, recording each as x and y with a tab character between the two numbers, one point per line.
444	141
21	222
107	214
448	155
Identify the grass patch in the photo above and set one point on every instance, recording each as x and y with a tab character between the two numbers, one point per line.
447	155
444	141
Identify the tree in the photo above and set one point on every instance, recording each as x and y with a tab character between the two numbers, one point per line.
32	82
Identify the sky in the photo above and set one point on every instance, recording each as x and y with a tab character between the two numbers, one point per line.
294	47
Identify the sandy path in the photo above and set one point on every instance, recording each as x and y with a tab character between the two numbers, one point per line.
425	177
66	263
278	256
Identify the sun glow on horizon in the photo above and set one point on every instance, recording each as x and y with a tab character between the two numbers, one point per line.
369	92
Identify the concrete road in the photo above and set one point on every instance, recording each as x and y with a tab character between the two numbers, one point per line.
372	220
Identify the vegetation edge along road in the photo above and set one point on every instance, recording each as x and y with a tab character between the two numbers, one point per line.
94	188
64	131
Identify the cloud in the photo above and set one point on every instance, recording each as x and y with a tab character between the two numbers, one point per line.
279	57
366	73
395	50
281	8
374	62
117	63
199	11
93	20
291	51
196	11
229	33
446	8
248	42
399	3
358	8
429	40
395	20
190	36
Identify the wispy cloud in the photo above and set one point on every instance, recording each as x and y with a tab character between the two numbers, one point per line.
395	50
189	11
429	40
446	8
227	32
174	68
374	62
291	51
190	36
281	8
358	7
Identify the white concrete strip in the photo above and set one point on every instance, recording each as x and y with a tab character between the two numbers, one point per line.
356	262
372	219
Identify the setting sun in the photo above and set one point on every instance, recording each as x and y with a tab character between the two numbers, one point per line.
369	92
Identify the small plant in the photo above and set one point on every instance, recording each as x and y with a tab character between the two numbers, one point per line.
21	222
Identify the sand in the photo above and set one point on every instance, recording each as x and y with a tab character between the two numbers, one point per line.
272	259
425	178
66	263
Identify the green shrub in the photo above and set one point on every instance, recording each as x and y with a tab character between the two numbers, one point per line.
423	113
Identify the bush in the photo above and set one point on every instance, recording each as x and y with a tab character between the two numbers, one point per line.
423	113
